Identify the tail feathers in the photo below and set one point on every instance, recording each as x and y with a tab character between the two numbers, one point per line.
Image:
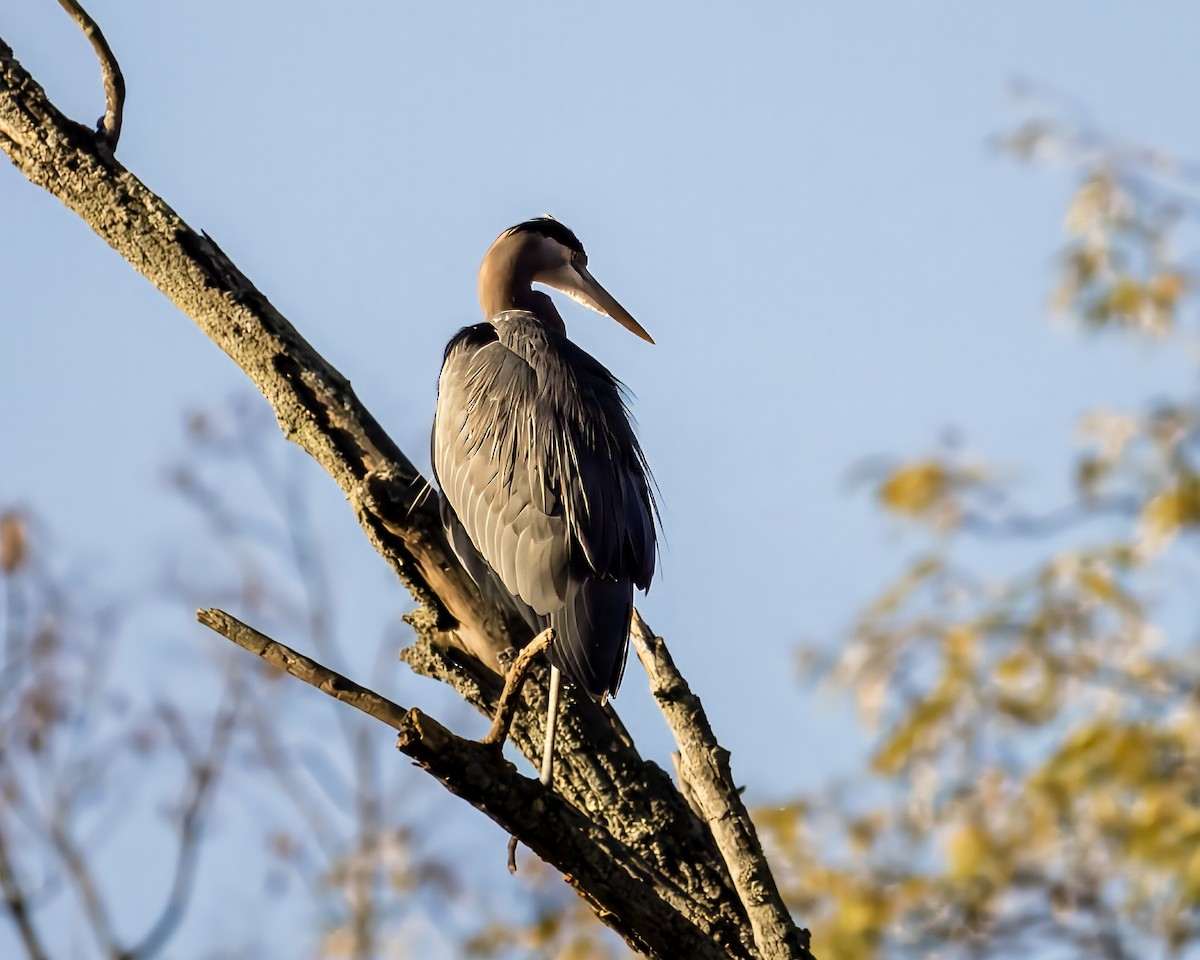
592	634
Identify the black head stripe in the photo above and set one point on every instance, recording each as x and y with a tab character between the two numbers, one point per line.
549	227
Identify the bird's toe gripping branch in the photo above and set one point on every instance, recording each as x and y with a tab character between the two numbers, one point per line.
507	707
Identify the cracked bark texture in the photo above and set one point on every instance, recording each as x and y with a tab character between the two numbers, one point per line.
460	634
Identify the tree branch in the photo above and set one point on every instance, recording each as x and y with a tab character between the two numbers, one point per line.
17	905
597	772
80	873
109	125
202	779
626	894
704	766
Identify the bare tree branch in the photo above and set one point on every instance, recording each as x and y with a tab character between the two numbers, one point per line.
626	893
109	125
80	874
635	801
202	779
705	767
17	904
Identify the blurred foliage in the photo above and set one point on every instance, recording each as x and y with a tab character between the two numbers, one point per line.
1035	785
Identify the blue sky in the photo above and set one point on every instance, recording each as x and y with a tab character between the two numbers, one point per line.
798	200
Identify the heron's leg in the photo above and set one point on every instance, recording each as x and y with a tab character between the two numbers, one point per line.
547	751
551	724
507	707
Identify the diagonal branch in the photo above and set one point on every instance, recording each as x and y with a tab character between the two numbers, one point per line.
17	905
202	778
80	873
625	893
704	765
109	125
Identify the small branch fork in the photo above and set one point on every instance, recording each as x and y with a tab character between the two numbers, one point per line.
623	891
704	768
109	125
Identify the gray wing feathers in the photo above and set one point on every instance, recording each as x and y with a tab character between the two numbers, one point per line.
541	469
475	458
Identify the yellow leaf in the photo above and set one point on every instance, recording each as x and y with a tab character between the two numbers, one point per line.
1098	583
1163	515
1167	288
1125	297
1172	509
915	488
971	853
960	643
1191	878
916	729
1012	666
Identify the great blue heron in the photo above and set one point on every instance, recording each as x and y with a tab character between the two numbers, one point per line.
539	467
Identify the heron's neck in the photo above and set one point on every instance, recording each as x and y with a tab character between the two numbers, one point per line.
505	283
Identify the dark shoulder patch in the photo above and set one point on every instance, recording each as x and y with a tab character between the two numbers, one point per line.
476	335
549	227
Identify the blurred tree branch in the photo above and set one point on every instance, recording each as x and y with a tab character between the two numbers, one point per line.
55	763
17	904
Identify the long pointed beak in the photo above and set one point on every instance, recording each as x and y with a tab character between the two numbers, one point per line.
577	283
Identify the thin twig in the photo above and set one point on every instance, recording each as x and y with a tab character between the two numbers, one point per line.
202	779
109	125
295	788
365	867
510	698
1019	524
17	905
705	765
85	885
301	667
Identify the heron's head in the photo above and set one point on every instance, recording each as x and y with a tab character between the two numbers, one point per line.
544	251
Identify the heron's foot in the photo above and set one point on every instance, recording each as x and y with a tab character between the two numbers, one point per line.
506	709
